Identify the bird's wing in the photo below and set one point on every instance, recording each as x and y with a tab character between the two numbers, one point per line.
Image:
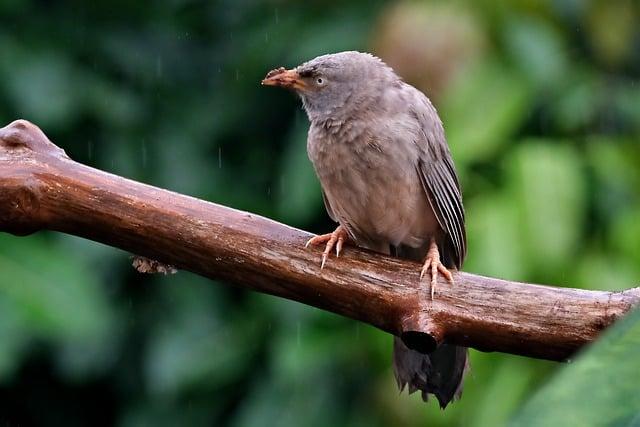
327	206
439	180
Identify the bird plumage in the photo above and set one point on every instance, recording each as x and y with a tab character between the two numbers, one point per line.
387	176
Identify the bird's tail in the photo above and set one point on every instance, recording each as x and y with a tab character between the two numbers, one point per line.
440	373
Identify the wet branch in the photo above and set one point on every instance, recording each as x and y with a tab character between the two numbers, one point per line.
41	188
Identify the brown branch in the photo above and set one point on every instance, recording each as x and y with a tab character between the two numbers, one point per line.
41	188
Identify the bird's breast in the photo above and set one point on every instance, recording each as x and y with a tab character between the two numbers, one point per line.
372	186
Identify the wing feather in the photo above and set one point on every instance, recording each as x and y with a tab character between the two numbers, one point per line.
328	207
440	182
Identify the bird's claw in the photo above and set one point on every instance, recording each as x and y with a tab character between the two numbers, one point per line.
433	263
339	244
335	239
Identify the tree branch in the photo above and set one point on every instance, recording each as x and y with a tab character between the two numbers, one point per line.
41	188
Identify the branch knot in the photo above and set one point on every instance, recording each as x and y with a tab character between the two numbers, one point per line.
22	134
421	332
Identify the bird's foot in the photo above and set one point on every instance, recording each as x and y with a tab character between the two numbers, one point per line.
336	239
432	262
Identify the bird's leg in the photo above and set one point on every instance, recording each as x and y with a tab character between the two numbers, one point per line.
337	239
432	261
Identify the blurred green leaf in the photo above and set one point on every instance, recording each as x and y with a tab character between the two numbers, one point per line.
495	238
547	184
597	270
625	233
14	339
616	175
576	105
482	110
193	347
111	103
600	388
48	295
53	295
628	102
538	50
299	194
43	86
506	388
611	28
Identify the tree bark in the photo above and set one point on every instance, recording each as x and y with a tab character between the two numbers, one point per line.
41	188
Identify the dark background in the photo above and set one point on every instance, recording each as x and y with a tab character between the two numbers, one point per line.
541	104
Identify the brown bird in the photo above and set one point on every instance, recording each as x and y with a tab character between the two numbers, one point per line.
379	150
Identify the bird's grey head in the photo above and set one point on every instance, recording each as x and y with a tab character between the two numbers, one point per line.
332	86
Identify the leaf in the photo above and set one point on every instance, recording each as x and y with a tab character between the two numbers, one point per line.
538	50
545	180
43	87
615	165
195	346
13	339
601	270
494	238
51	293
299	195
502	386
599	389
483	108
46	294
575	106
625	234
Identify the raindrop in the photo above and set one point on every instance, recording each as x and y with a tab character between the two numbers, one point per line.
219	157
269	191
159	67
237	74
276	15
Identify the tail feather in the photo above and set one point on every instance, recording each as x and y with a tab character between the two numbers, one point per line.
439	373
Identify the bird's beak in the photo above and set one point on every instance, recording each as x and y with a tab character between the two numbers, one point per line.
284	78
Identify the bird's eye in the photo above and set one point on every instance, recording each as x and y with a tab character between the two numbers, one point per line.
320	81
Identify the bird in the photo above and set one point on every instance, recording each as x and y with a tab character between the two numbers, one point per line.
378	148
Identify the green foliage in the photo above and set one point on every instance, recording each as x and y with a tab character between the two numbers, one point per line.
599	389
47	295
541	105
505	99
